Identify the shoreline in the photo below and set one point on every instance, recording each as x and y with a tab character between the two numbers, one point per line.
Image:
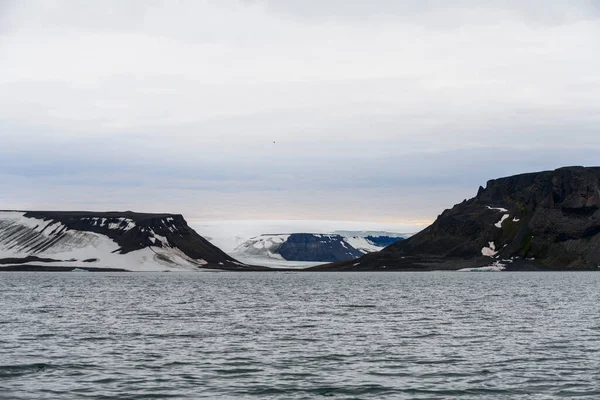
43	268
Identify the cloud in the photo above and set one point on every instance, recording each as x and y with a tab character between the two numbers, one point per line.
155	105
435	14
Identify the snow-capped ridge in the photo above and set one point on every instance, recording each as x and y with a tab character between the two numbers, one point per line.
127	240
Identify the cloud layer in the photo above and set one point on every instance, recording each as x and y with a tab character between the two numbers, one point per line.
380	111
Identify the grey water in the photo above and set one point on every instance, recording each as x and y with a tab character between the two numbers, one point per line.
439	335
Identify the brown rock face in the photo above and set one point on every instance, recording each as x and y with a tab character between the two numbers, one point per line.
552	222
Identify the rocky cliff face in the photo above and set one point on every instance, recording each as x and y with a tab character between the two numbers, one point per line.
548	220
317	247
121	240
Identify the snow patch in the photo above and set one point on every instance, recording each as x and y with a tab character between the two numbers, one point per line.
489	251
361	244
124	224
496	266
499	223
499	209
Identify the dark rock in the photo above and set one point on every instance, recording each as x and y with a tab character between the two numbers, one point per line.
316	247
23	260
383	241
553	223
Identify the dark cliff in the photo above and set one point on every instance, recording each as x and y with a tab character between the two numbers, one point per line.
383	241
317	247
543	220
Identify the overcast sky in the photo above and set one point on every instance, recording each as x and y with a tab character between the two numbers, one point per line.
381	111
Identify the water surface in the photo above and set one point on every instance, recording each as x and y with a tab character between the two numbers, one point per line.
299	335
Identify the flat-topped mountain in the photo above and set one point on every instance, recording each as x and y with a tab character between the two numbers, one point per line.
311	247
542	220
107	240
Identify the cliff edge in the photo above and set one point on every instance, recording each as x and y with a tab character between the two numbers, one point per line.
543	220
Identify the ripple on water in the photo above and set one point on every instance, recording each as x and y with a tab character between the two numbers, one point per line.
299	336
15	370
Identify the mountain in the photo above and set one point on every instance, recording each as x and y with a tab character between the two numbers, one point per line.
542	220
309	247
55	240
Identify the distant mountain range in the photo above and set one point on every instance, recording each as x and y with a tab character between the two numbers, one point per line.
103	241
46	240
536	221
313	246
541	220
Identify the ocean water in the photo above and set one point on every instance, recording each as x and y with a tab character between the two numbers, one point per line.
288	335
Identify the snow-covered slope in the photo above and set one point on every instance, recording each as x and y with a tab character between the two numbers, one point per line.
263	246
129	241
362	244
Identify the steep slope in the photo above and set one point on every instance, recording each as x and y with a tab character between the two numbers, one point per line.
317	247
383	241
266	246
122	240
548	220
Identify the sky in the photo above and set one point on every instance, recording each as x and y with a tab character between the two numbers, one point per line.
380	111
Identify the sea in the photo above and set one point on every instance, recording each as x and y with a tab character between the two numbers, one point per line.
300	335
